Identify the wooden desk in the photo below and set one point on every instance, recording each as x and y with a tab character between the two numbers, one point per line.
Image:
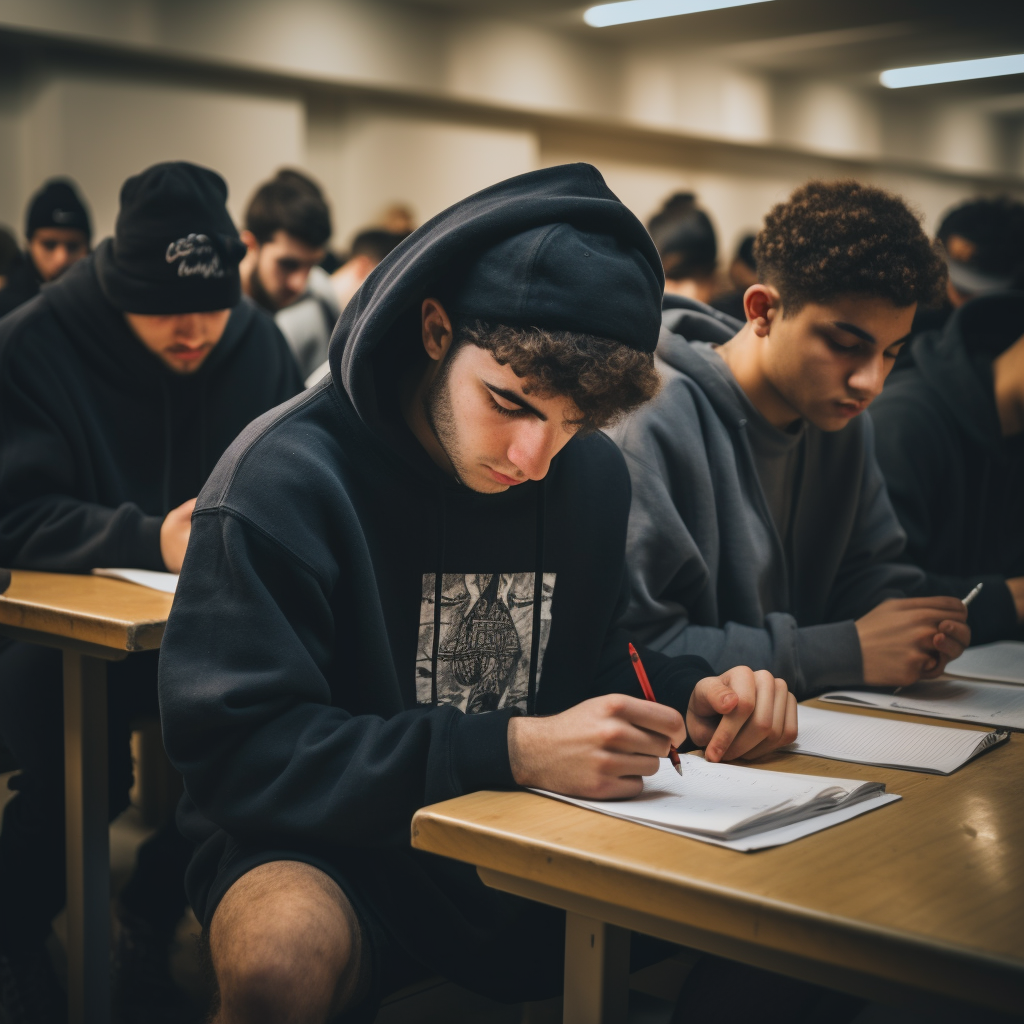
92	620
920	902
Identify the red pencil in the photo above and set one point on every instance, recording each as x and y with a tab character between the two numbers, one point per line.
645	685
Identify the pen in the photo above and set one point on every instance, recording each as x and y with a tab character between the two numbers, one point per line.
645	685
972	595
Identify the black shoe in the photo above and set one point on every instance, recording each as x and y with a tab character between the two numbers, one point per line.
29	990
144	991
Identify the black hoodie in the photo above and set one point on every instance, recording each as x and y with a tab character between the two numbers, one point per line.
956	483
23	283
99	440
316	669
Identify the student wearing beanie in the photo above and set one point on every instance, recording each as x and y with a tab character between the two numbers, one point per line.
58	232
120	387
414	573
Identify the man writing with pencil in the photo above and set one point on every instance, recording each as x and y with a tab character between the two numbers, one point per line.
403	586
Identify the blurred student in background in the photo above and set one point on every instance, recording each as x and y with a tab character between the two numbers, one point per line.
9	254
686	241
760	532
121	385
368	249
58	232
742	274
287	227
950	422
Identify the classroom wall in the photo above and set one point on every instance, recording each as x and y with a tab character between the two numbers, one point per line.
385	104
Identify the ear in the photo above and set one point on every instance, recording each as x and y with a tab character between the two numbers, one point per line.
249	239
437	329
761	304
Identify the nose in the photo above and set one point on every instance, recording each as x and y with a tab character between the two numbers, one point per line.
296	281
868	378
531	450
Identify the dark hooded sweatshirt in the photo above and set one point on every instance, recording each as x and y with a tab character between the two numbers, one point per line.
956	483
346	608
23	283
99	440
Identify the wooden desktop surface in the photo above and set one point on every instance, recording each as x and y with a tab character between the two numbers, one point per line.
87	609
927	892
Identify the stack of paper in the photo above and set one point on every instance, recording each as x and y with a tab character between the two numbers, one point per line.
959	700
889	743
165	581
740	808
1000	663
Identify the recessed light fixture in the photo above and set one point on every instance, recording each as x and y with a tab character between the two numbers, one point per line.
954	71
647	10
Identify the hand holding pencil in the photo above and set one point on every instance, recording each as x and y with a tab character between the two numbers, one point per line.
645	685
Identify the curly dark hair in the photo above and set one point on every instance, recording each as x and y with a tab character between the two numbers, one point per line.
605	379
831	238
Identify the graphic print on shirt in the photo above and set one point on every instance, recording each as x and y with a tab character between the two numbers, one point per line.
486	636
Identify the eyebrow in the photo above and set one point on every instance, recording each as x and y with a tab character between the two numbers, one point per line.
853	329
511	396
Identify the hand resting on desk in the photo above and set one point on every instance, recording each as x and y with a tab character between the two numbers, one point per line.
601	748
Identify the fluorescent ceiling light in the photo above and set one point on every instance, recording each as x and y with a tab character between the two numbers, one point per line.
955	71
646	10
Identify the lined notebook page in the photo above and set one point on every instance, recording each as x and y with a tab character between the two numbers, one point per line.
889	742
959	700
1002	663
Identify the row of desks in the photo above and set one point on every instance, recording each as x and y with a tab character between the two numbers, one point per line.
919	903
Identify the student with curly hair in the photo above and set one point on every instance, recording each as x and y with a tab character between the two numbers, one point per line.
414	574
761	532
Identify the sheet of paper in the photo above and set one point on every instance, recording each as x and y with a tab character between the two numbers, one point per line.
888	742
165	581
1000	663
959	700
728	800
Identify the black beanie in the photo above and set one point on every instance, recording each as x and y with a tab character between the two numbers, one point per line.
560	278
175	248
57	205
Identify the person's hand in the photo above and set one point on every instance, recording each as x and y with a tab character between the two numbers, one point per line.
599	749
174	533
741	714
911	638
1016	586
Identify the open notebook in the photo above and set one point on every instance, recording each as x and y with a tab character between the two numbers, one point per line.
960	700
1001	663
888	742
165	581
741	808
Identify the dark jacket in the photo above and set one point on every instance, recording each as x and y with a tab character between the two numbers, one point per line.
99	440
956	483
23	283
346	607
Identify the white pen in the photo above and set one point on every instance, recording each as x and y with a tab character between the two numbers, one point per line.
972	595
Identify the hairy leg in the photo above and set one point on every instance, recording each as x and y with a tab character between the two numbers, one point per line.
286	947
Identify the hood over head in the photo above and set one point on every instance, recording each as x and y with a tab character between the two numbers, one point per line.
574	258
957	361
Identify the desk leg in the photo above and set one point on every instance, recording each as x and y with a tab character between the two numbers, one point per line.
596	972
88	838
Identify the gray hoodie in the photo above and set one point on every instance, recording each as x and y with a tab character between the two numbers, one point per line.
709	572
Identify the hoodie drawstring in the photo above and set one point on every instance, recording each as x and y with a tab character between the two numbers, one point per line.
538	596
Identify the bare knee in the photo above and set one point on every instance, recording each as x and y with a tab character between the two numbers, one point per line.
285	946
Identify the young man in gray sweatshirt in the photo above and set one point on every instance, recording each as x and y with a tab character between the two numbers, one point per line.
760	531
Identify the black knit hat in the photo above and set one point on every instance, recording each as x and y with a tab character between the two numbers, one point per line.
57	205
563	279
175	248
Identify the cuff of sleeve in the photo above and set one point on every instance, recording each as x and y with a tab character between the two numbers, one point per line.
992	615
675	680
480	751
830	657
142	548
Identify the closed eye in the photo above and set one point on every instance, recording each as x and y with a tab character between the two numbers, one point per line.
514	413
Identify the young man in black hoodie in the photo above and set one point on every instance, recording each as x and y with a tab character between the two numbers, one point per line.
950	441
120	387
58	231
404	586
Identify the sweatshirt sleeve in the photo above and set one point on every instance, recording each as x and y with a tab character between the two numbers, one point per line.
43	525
248	715
671	591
